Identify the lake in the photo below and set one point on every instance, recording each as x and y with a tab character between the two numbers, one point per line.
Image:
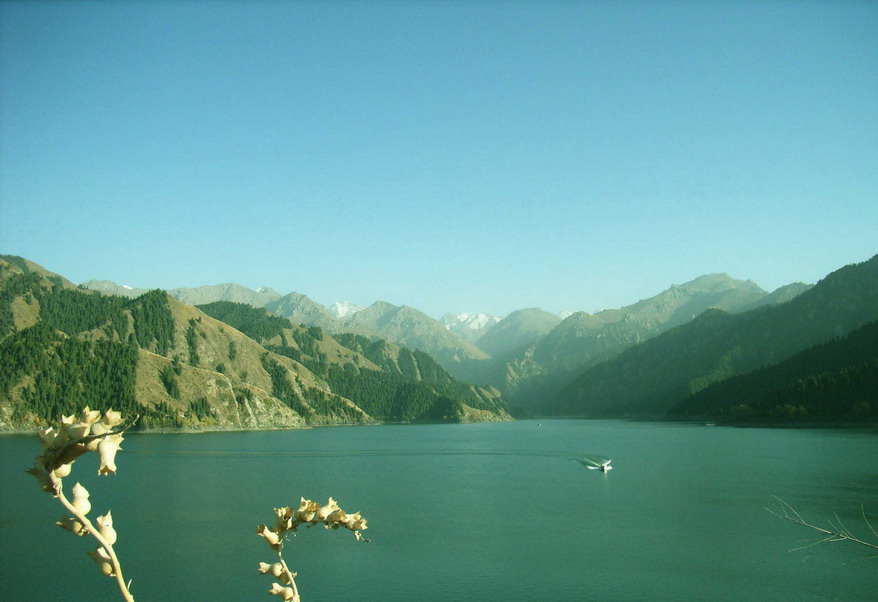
495	511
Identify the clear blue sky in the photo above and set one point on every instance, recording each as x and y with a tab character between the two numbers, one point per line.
450	156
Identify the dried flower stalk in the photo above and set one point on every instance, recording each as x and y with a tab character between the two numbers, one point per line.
60	449
287	520
104	434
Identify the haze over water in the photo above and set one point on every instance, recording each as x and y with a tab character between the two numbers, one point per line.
464	512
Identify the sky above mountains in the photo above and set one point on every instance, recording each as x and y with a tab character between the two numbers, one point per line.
472	156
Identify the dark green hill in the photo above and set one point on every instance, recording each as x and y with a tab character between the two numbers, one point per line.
836	381
646	380
256	323
24	266
55	375
62	348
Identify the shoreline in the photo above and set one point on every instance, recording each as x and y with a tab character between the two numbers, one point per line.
201	430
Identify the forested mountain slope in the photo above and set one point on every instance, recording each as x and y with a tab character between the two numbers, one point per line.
403	326
648	379
384	379
833	382
63	347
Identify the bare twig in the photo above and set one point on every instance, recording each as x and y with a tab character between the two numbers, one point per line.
866	520
836	531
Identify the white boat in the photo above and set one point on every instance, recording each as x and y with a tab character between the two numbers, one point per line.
595	463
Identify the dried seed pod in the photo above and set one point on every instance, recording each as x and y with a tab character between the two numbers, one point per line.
108	447
285	593
111	418
48	481
274	540
80	499
68	523
105	527
102	559
63	470
324	512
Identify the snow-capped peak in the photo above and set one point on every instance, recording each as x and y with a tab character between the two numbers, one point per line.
343	309
470	321
267	290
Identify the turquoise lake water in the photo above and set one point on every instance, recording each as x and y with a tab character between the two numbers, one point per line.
461	512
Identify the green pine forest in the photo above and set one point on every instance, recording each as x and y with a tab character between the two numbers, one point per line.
833	382
55	372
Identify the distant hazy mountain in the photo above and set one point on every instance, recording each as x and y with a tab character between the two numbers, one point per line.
411	328
400	325
469	326
518	329
647	379
583	340
193	296
343	309
111	288
300	309
782	294
226	292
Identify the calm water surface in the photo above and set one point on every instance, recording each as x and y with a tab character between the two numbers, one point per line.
461	512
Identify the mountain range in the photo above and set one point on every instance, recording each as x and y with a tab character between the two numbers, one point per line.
519	329
174	364
645	359
344	309
582	340
524	354
467	325
194	296
648	379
